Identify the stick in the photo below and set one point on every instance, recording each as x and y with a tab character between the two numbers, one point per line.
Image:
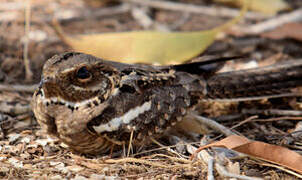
254	98
211	169
88	14
75	14
212	124
270	24
274	112
224	173
212	11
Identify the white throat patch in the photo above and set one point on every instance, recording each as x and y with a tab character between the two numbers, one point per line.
115	123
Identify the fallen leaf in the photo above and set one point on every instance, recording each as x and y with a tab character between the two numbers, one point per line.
146	46
267	152
270	7
289	30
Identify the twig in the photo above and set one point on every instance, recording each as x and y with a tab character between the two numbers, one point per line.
165	147
254	98
212	124
279	119
275	112
73	15
160	148
267	25
212	11
28	72
20	88
222	171
283	169
245	121
202	154
88	14
211	169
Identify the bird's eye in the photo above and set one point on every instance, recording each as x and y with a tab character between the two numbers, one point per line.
83	73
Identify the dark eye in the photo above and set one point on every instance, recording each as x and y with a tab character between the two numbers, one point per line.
83	73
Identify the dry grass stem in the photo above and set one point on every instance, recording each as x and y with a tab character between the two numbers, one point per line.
141	161
171	151
174	159
283	169
160	148
130	143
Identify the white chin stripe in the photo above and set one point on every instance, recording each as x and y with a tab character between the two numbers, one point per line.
115	123
71	104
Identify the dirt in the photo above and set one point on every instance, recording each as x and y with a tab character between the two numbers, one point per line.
26	152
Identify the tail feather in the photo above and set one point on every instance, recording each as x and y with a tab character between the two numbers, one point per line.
205	68
270	80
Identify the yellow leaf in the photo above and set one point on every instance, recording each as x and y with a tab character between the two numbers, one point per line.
145	46
270	7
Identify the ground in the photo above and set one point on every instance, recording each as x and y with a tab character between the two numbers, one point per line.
26	152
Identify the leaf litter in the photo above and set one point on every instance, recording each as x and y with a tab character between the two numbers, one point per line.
29	153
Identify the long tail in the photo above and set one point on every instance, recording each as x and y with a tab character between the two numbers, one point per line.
270	80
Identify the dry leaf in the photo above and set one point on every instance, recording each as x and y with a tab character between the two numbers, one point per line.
289	30
270	7
146	46
267	152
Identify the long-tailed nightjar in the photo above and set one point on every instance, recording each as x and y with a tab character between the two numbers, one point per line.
91	104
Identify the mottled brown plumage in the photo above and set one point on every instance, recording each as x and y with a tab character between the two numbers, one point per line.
90	103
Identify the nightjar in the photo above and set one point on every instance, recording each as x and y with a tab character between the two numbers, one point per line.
91	104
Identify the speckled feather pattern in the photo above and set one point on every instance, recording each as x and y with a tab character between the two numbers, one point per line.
91	114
